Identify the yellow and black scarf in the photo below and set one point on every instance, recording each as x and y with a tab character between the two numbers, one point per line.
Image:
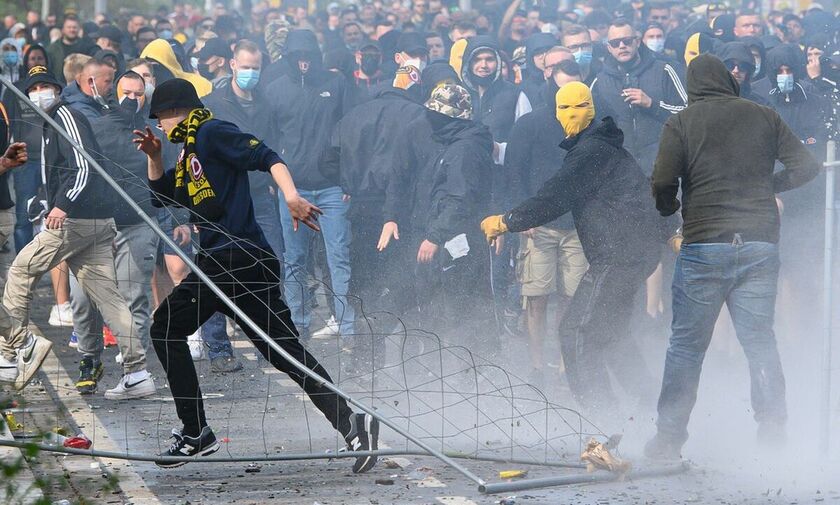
192	188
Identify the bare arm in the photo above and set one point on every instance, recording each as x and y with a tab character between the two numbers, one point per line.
508	17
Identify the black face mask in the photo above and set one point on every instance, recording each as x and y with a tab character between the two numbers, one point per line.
370	64
204	71
483	81
129	106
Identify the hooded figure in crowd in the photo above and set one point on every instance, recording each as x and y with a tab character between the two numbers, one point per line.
795	99
306	104
605	190
168	67
759	55
740	62
451	193
533	81
11	59
493	98
721	152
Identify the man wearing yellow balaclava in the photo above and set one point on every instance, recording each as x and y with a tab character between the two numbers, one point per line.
575	110
604	188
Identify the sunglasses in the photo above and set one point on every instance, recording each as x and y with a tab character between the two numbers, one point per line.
616	43
740	65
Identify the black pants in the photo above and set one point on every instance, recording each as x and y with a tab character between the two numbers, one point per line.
251	279
595	335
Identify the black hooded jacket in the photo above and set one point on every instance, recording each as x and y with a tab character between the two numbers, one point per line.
305	109
804	109
739	51
452	192
497	107
605	190
641	126
533	152
532	81
370	153
722	149
762	54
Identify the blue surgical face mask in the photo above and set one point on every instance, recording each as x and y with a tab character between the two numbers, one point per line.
784	82
194	62
10	58
655	45
165	34
757	68
247	78
583	58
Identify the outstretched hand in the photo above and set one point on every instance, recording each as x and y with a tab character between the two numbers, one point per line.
303	211
147	142
15	155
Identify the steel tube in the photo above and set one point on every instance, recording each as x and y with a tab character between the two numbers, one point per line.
828	271
568	480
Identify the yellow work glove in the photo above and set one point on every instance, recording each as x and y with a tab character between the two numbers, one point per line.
493	226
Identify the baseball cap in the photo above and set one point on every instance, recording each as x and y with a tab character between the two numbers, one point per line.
215	47
174	94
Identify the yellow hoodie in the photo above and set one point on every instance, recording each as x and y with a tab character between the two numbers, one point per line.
456	55
160	51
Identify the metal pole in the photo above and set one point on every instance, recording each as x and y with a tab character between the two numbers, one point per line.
45	10
568	480
825	379
227	301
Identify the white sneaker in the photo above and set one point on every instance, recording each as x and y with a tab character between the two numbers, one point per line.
30	357
61	315
118	358
196	345
8	370
331	329
133	385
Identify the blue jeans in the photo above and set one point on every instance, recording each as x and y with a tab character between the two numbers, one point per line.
744	276
265	212
26	181
335	227
214	334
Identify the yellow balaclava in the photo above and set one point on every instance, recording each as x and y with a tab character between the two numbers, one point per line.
692	48
575	109
456	55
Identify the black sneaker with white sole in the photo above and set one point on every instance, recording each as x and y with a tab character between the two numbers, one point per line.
204	444
363	436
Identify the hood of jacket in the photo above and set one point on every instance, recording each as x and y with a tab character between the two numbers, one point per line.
35	47
785	54
475	45
448	130
723	27
707	77
160	51
303	41
533	45
72	94
606	130
434	74
738	51
755	42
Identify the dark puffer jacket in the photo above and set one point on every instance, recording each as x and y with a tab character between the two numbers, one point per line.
605	190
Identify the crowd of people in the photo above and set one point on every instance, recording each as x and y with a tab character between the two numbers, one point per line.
404	125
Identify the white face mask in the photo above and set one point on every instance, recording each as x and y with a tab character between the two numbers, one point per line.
149	91
416	63
43	99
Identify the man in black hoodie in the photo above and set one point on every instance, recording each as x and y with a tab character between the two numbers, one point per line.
722	150
306	104
533	79
605	190
638	90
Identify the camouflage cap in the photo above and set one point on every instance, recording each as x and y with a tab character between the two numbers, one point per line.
452	100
